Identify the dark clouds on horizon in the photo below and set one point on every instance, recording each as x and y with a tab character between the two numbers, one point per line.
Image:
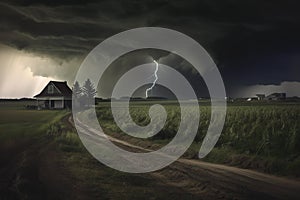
252	41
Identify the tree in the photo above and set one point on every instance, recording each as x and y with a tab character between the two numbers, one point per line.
76	90
89	92
77	95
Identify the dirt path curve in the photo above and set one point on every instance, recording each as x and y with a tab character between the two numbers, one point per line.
214	181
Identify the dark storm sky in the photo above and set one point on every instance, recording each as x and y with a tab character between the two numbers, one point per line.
255	43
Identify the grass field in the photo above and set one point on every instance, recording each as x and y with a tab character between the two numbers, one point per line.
15	104
41	157
264	136
18	126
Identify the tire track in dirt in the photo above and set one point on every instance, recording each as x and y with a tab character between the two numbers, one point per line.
214	181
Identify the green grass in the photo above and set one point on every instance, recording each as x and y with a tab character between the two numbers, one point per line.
264	136
46	132
259	130
260	136
102	182
69	142
17	124
15	104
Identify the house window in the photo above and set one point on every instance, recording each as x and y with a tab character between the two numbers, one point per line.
50	89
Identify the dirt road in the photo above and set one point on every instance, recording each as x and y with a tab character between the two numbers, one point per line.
213	181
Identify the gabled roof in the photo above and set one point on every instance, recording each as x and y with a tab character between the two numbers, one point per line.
61	90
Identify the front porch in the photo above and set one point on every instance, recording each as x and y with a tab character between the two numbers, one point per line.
53	103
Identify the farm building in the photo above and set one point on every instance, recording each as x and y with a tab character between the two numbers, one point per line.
260	96
56	95
276	96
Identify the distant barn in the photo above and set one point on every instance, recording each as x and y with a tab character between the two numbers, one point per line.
273	96
277	96
260	96
56	95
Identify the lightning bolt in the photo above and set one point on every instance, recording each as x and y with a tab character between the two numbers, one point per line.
156	78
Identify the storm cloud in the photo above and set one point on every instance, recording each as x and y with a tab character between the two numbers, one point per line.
252	42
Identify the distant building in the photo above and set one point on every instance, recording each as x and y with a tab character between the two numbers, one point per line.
56	95
294	98
276	96
261	96
253	99
273	96
229	99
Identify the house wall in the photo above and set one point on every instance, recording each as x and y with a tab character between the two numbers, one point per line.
51	103
68	104
58	104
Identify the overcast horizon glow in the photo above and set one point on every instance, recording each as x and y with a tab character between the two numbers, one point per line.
25	75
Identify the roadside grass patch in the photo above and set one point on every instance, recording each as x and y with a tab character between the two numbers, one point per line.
69	142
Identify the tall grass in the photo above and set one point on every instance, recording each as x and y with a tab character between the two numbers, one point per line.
69	142
268	130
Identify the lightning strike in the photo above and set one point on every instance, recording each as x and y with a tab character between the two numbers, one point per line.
155	80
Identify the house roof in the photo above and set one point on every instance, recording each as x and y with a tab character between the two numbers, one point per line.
61	90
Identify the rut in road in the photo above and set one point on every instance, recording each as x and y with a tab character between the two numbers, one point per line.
214	181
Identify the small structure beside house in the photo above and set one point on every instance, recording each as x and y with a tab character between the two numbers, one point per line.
260	96
56	95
